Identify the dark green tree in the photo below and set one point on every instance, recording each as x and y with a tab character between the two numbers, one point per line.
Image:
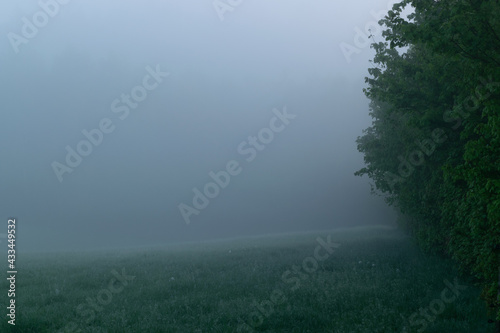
433	148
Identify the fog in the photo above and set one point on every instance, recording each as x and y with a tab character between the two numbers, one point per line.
115	113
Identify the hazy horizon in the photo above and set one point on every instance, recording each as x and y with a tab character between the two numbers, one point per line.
162	94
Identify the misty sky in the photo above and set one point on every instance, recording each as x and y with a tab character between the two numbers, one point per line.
260	79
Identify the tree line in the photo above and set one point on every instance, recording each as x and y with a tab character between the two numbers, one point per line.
433	149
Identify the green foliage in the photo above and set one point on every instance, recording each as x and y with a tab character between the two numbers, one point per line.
434	146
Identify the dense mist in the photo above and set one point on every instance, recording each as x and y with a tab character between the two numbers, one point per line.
128	123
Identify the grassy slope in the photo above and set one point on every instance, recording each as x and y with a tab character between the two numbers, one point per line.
373	282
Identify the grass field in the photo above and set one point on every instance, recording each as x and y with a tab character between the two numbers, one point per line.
371	279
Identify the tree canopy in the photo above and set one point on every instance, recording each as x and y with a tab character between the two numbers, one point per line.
433	149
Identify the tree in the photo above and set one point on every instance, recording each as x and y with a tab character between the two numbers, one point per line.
434	145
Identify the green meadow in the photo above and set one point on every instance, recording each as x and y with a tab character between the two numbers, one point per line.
370	279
